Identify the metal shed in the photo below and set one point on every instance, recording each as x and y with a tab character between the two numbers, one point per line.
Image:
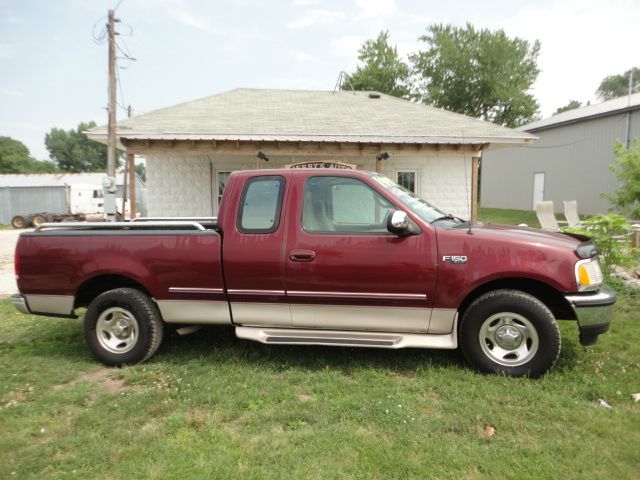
21	194
569	161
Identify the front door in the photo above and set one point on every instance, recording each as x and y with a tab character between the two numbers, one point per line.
344	270
538	188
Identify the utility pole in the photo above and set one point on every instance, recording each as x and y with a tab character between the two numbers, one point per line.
109	184
131	166
628	136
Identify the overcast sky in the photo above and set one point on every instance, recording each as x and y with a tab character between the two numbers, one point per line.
52	73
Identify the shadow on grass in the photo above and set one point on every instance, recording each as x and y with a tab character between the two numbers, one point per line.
221	344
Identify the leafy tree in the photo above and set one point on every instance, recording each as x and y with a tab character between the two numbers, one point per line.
572	105
627	169
74	152
382	71
15	158
141	170
480	73
615	86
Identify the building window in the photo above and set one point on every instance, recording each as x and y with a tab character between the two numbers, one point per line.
407	179
222	182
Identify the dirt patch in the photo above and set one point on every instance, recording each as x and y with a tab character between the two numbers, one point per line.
101	378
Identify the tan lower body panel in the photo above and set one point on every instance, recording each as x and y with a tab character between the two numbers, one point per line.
258	313
196	312
345	317
54	304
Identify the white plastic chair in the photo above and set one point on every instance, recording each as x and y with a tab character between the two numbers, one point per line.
571	212
547	217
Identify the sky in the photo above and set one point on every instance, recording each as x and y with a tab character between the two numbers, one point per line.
54	74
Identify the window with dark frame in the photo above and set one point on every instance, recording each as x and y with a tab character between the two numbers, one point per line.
407	179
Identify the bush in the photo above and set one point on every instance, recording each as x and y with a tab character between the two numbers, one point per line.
610	233
626	199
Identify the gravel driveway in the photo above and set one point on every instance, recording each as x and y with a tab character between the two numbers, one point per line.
8	239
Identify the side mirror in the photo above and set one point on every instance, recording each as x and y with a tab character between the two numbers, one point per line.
399	223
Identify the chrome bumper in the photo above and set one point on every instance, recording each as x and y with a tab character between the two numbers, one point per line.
20	303
594	313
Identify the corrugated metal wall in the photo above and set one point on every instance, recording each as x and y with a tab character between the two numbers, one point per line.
24	200
574	158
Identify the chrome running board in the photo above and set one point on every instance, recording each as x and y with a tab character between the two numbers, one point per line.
292	336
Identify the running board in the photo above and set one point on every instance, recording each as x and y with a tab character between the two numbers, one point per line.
291	336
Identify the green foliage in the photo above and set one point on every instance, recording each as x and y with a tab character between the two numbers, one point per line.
480	73
572	105
610	234
615	86
626	168
74	152
15	158
141	170
382	71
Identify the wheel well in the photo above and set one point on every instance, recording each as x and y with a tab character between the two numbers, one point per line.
552	298
97	285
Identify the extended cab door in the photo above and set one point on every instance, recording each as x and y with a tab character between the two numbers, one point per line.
252	250
344	270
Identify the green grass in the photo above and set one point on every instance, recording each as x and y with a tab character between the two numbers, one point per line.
211	406
510	217
5	227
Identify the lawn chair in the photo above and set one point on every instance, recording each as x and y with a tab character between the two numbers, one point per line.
571	212
547	217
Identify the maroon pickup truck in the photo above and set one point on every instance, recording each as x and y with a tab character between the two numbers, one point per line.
320	257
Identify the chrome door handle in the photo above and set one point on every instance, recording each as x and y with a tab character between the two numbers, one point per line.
302	255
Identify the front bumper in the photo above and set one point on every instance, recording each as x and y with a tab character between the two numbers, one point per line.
20	303
594	312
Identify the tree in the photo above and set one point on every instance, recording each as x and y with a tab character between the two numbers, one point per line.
572	105
16	158
382	71
626	168
141	170
615	86
74	152
480	73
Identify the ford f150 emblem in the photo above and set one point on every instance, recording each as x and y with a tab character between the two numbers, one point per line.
455	258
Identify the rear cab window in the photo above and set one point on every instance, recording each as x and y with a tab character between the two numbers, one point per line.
261	204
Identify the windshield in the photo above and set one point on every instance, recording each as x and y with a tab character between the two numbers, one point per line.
413	203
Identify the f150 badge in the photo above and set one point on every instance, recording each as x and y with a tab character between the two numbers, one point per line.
455	258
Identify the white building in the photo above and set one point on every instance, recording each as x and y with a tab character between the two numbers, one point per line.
191	148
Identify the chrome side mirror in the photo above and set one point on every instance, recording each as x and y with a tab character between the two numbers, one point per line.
399	223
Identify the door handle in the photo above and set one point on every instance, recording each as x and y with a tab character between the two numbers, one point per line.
302	255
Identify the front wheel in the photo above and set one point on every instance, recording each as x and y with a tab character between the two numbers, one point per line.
510	332
123	327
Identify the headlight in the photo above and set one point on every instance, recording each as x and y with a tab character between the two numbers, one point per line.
588	274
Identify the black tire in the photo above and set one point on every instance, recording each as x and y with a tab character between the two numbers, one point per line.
123	327
510	332
19	222
38	220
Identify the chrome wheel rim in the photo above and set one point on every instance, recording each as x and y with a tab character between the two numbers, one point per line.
117	330
509	339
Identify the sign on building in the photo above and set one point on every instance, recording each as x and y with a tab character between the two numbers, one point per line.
323	164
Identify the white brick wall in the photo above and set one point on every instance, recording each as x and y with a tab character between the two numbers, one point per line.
186	185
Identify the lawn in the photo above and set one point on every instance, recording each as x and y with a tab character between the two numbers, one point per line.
511	217
211	406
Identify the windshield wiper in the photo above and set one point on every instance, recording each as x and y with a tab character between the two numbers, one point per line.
448	216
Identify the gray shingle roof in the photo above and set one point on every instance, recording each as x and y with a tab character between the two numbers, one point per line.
584	113
312	116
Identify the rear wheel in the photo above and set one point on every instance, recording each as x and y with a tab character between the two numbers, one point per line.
123	327
19	222
38	220
510	332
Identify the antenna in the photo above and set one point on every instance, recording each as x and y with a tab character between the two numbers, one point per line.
343	76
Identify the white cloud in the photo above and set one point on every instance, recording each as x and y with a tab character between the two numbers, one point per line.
376	8
300	56
192	21
348	45
314	17
11	92
6	50
304	3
